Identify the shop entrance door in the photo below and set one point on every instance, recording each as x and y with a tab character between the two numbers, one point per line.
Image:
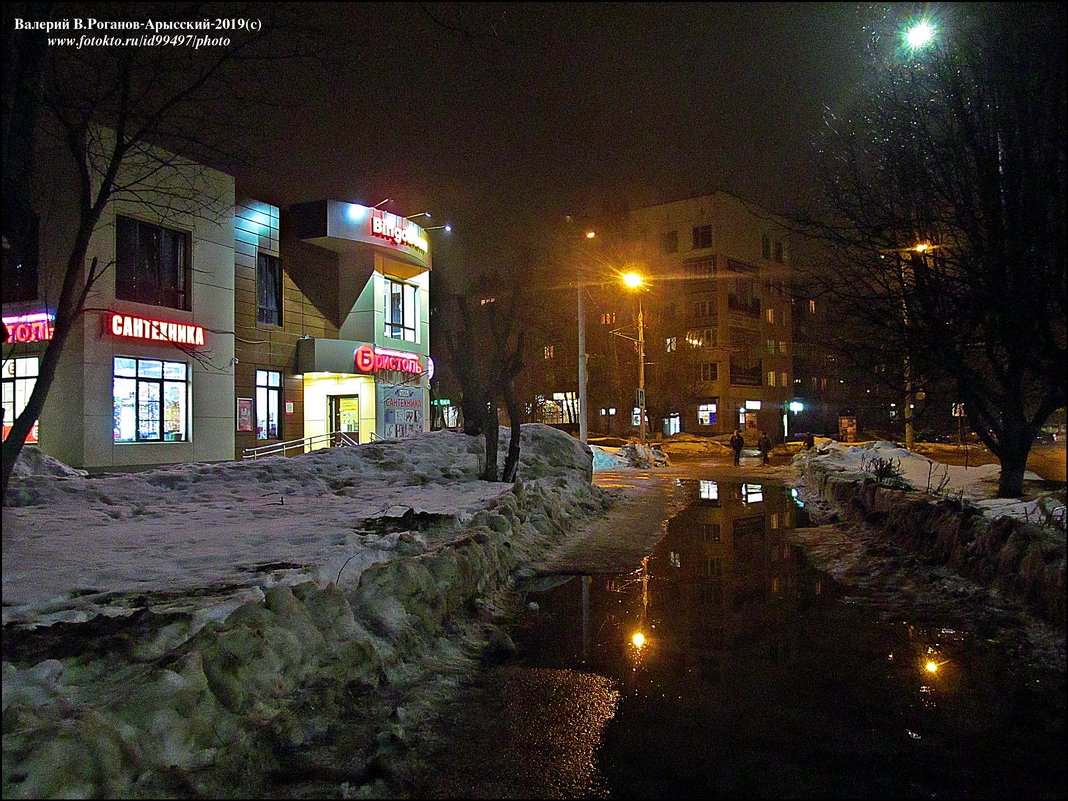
345	416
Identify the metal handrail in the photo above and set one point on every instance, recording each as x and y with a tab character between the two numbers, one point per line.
342	438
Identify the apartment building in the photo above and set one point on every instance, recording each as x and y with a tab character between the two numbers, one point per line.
717	333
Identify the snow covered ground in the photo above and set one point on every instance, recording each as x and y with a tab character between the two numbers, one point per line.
977	484
162	630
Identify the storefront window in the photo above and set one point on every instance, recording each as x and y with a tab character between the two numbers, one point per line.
151	400
706	414
402	311
268	392
19	378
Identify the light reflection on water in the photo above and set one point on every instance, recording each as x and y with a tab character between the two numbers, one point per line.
755	676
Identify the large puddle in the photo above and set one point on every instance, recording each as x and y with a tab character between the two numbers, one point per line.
723	665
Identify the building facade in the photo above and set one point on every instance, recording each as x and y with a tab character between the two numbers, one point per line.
147	373
220	327
332	325
717	325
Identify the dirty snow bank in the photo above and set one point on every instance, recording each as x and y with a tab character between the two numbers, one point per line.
224	674
944	513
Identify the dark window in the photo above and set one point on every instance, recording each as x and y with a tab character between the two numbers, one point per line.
269	289
702	236
402	311
765	247
20	256
710	371
669	242
151	264
778	252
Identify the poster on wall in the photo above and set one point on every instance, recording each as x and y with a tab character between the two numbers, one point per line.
244	414
401	410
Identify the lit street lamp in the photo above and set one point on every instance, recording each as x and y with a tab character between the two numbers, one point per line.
635	281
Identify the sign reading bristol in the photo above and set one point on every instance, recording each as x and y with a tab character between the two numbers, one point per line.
369	359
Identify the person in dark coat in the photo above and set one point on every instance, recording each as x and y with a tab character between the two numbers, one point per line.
810	441
736	442
764	444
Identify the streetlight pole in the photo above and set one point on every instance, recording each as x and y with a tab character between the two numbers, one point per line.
583	428
582	410
641	372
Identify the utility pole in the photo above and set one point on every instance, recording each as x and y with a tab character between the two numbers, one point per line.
641	372
583	429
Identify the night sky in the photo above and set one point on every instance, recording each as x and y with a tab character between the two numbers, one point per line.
508	116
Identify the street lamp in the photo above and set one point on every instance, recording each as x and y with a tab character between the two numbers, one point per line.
581	289
636	281
420	214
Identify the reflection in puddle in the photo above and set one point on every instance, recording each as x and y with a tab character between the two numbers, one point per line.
742	671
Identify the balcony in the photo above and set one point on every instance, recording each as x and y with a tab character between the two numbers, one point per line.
746	376
750	307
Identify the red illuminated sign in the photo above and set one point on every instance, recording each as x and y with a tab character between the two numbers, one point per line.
398	230
28	328
369	359
130	327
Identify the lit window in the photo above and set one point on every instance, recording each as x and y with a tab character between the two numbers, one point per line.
608	318
670	344
19	378
771	378
150	400
782	347
401	311
769	315
268	395
548	351
706	414
782	380
812	307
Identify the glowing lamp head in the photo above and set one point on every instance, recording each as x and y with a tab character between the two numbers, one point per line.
931	666
919	35
637	639
633	280
591	234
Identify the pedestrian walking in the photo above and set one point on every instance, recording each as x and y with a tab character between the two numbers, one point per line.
764	445
736	442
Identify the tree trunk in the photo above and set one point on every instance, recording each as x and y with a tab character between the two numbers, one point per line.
1015	446
490	433
511	464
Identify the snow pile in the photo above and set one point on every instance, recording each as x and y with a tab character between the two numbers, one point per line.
605	458
221	616
910	470
694	445
32	462
630	456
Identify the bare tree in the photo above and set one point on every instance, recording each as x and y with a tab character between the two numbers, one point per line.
113	116
944	208
483	318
